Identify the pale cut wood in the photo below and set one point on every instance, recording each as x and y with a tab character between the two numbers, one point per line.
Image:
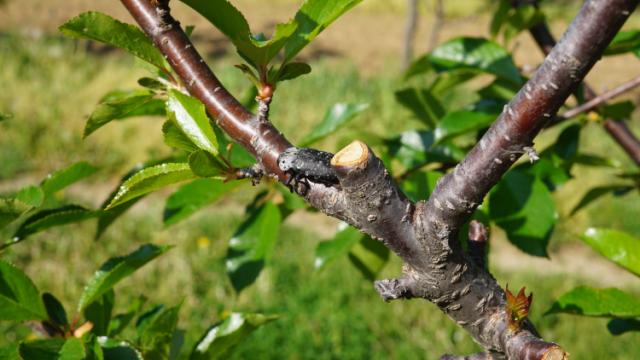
352	155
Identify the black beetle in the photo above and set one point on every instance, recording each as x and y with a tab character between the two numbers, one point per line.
304	165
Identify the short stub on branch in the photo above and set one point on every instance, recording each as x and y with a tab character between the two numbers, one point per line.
556	353
354	155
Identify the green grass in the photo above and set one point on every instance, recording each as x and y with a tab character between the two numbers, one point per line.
51	85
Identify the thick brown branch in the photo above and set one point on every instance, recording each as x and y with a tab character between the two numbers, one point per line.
424	235
602	98
458	194
618	130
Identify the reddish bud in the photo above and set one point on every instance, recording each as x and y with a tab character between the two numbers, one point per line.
517	307
265	92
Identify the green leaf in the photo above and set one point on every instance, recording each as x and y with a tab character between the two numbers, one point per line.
620	326
73	349
46	219
426	107
551	170
19	298
205	165
330	250
419	66
5	116
55	310
595	160
418	148
597	302
175	138
116	269
313	17
152	84
235	153
65	177
554	166
476	54
499	17
252	245
511	20
151	179
567	144
119	322
232	23
48	349
145	319
499	89
32	195
335	117
522	205
419	185
120	105
448	84
292	70
99	311
107	217
103	28
10	210
191	117
597	192
620	110
460	122
220	339
94	351
520	18
177	342
621	248
118	350
193	196
155	340
369	256
623	42
10	352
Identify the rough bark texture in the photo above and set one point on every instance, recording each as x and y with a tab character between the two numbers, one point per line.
618	130
424	235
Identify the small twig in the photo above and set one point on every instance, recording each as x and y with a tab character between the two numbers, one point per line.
410	31
601	99
438	21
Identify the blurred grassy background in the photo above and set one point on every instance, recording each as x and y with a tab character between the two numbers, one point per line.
50	84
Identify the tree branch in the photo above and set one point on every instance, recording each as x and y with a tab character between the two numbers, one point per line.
410	31
618	130
424	235
601	99
438	21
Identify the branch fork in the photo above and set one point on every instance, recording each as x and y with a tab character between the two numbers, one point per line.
424	234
